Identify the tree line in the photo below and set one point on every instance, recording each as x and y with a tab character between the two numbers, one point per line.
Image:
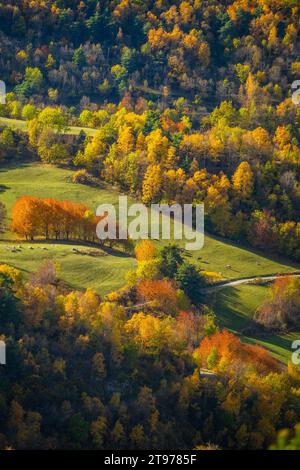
50	218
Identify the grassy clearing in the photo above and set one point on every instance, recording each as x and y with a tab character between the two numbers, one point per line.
37	179
20	125
235	308
103	273
42	180
218	253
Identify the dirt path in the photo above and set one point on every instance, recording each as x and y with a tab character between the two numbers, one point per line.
238	282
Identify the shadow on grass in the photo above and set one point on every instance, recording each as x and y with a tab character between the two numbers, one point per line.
277	341
228	309
4	188
16	166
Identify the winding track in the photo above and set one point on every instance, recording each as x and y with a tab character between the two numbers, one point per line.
238	282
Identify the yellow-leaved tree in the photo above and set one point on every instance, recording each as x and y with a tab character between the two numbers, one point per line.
152	184
243	181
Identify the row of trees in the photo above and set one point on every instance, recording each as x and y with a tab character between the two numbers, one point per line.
49	218
251	156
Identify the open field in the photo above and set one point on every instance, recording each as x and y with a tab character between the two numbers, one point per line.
103	273
18	124
41	180
235	307
235	262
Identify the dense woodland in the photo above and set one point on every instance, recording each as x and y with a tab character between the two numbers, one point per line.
126	371
190	102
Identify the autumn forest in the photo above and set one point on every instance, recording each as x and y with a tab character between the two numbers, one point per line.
125	344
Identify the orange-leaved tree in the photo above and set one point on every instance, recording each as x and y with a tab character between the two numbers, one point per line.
225	351
161	292
49	218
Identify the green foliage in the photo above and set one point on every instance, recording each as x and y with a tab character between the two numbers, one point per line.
8	302
190	281
287	440
79	58
152	122
171	258
32	82
78	428
188	102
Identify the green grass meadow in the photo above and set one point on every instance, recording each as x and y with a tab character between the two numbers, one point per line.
41	180
21	125
103	273
37	179
234	306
